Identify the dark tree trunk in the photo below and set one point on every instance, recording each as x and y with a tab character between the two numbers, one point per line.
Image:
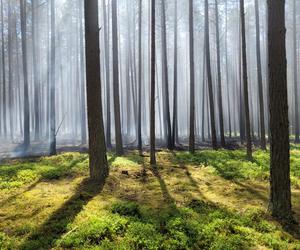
295	71
192	78
116	91
241	99
280	194
97	147
260	81
165	87
245	80
175	109
209	78
107	75
25	74
227	74
220	102
139	131
152	87
52	84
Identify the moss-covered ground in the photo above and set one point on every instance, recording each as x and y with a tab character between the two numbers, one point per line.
210	200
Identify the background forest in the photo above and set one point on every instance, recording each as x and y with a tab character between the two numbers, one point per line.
162	124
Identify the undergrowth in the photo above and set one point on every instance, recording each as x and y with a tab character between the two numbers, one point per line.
48	204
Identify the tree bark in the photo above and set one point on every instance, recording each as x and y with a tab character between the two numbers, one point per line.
26	124
209	78
192	78
245	80
260	82
165	87
295	71
175	109
220	102
152	87
280	194
116	91
139	131
97	147
52	84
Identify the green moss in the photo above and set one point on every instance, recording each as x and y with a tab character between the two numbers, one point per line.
123	162
126	209
189	202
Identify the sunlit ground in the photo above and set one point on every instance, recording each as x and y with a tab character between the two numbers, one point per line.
212	200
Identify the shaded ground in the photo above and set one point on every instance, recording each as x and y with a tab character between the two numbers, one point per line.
212	200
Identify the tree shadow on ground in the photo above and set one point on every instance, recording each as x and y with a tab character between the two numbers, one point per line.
56	173
55	226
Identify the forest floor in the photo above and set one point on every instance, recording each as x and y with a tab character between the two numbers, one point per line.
210	200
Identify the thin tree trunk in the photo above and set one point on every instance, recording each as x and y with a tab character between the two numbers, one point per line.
245	80
152	87
220	102
25	74
82	78
10	72
260	82
227	74
52	84
139	134
192	78
175	109
165	87
107	75
295	71
116	91
209	78
3	73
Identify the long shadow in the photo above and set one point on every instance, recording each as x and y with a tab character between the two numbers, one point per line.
193	182
170	201
47	176
257	194
15	196
52	229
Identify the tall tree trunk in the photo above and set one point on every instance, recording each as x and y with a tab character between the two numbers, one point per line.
10	72
52	84
280	194
139	134
152	87
209	78
107	75
192	78
295	71
97	147
36	83
227	73
241	99
116	91
82	78
220	102
260	81
175	109
245	80
3	73
25	74
165	87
